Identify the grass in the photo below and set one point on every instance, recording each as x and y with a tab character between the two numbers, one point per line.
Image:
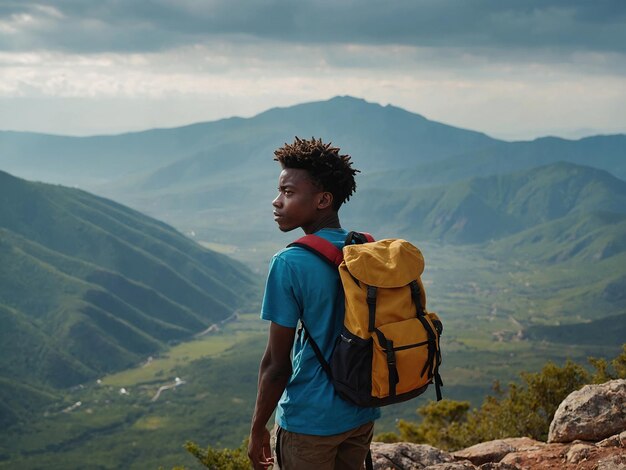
114	430
164	368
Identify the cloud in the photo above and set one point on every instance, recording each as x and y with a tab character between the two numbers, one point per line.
155	25
493	65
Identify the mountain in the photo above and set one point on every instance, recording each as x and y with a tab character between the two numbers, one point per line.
604	152
591	236
394	137
212	179
89	286
480	209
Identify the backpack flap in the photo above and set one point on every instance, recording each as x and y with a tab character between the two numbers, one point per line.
385	263
385	268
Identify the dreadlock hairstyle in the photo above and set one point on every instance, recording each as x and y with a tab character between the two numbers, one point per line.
328	169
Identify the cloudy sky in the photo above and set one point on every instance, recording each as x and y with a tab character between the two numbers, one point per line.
514	69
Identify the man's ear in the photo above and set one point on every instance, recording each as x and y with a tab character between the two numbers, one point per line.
325	200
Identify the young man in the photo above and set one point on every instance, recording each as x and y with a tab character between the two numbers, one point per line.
316	429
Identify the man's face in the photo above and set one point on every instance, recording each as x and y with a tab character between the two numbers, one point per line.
297	202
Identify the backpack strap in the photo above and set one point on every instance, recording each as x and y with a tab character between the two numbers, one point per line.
325	249
321	247
334	256
316	349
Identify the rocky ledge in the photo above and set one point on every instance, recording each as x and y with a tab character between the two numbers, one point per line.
588	432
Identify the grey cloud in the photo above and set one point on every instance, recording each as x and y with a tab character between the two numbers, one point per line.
154	25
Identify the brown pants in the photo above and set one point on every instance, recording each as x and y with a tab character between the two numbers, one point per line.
345	451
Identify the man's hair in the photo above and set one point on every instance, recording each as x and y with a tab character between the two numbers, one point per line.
328	169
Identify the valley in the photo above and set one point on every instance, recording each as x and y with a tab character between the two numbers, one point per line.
129	319
487	313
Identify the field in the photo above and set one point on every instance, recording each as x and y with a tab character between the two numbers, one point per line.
116	422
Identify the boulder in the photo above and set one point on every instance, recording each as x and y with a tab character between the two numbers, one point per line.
405	456
494	451
452	466
592	413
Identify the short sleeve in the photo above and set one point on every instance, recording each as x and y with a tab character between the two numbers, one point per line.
281	303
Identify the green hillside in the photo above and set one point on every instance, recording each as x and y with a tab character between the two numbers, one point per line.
489	306
211	179
88	286
587	237
481	209
603	152
609	330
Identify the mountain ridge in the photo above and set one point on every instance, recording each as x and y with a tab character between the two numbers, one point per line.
190	176
89	286
481	208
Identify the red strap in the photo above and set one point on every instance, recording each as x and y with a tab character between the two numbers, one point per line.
324	248
320	246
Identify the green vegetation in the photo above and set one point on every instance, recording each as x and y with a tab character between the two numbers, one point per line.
525	263
225	459
88	287
521	410
142	427
165	365
486	208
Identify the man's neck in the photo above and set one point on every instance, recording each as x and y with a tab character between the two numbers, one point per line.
330	220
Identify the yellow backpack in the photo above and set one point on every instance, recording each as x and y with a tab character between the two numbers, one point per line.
388	351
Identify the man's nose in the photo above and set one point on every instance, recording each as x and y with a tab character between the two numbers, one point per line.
276	202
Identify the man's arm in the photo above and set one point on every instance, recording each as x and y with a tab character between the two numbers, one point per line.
274	373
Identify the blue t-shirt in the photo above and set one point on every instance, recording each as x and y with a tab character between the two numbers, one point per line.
301	285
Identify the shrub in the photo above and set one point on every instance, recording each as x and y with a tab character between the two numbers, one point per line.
524	409
225	459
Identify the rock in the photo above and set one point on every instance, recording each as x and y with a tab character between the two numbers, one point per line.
523	443
494	451
578	452
576	456
465	465
491	451
498	466
618	440
614	462
546	457
528	455
592	413
405	456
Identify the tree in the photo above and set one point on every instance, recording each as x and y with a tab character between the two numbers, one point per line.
441	425
225	459
523	409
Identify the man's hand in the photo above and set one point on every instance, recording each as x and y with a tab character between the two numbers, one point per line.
259	450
